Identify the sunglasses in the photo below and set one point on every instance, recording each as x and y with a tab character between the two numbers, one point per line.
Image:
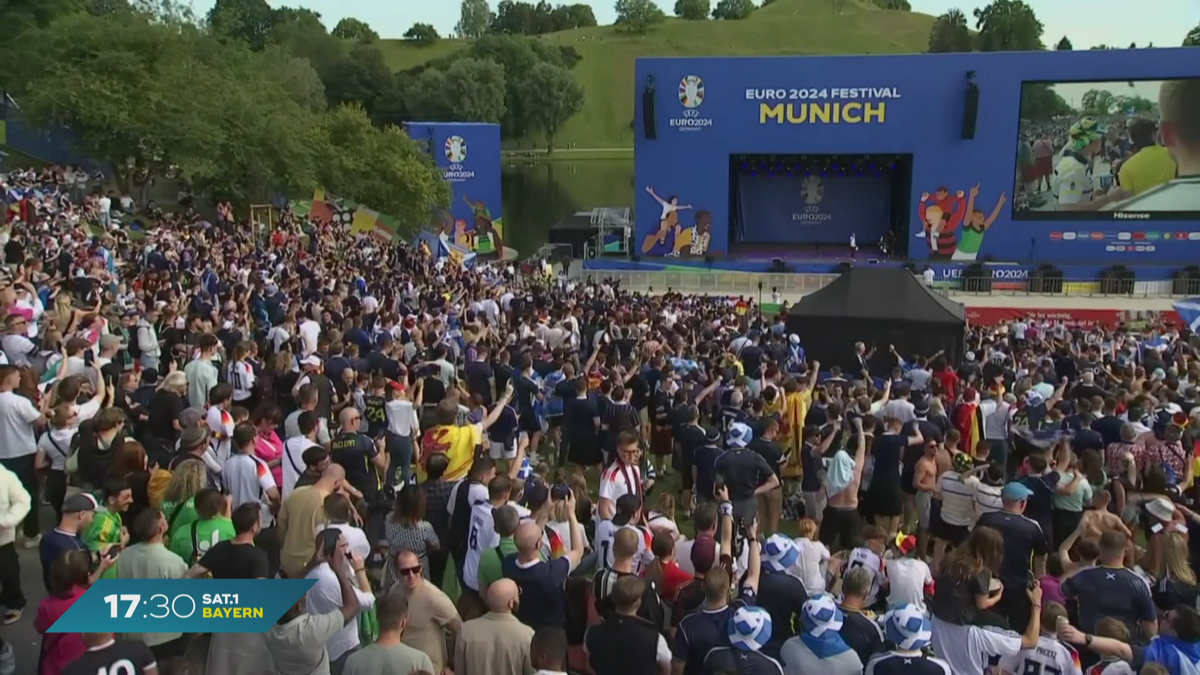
410	571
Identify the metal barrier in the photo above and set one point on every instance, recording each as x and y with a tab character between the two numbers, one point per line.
751	284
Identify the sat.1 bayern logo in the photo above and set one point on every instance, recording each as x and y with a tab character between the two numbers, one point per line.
691	97
456	154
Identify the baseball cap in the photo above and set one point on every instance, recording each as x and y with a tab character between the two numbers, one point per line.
908	628
311	360
109	341
779	553
80	502
739	435
537	493
704	553
749	628
820	615
1015	492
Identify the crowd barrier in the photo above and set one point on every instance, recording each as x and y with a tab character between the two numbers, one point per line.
750	284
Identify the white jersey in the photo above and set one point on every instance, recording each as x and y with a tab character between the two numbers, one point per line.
616	480
606	531
241	376
1049	657
869	560
481	535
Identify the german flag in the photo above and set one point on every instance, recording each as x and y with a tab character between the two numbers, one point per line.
969	421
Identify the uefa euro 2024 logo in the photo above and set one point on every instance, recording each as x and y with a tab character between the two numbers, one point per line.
691	92
812	190
456	150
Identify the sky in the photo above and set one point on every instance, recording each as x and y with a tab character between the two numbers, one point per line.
1085	22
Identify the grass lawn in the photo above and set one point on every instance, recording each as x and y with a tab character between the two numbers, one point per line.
786	27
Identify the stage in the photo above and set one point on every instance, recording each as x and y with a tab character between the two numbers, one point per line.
816	253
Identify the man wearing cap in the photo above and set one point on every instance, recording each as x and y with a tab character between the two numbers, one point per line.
1073	183
819	647
78	511
745	473
909	630
1024	542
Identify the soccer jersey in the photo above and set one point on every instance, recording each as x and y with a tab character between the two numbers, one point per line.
870	561
241	376
606	531
481	536
1073	179
1050	656
905	663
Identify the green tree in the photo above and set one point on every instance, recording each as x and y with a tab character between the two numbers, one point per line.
551	97
296	19
470	90
350	28
1008	26
638	16
514	18
381	169
422	33
250	21
581	15
18	16
474	19
733	10
1097	102
1193	37
1064	45
359	77
297	77
898	5
692	10
950	33
1040	102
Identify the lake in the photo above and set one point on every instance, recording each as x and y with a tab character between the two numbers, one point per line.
539	194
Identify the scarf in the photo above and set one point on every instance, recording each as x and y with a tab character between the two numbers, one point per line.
1179	657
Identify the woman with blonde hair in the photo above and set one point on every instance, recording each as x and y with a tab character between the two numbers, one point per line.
663	519
179	500
1176	581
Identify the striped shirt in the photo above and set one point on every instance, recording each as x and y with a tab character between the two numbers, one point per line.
958	500
987	497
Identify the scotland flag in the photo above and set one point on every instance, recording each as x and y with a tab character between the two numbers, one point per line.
1189	311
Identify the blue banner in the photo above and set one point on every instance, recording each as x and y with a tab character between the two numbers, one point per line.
1189	311
796	209
181	605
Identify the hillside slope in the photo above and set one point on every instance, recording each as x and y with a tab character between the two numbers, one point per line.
782	28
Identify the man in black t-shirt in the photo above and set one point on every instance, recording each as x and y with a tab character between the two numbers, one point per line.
361	457
237	558
746	473
859	630
1025	548
770	503
479	376
106	654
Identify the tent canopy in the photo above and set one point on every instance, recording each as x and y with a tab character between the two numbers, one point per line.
879	307
883	294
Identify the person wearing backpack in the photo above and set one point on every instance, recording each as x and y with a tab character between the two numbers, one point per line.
54	448
211	526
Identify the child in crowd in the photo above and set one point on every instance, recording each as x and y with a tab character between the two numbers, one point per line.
813	562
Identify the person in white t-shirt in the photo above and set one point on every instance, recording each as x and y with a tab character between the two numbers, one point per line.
909	578
247	477
1049	655
326	596
628	517
294	448
813	561
969	649
623	476
481	529
220	422
310	333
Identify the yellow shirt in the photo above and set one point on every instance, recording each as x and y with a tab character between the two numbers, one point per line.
1147	168
457	443
792	431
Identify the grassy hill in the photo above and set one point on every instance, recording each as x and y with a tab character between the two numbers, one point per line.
782	28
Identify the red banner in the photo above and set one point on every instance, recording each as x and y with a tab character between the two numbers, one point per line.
1085	318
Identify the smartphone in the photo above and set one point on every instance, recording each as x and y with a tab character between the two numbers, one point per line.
329	540
88	358
559	492
113	552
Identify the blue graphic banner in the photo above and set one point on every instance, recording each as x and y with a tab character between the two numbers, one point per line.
796	209
181	605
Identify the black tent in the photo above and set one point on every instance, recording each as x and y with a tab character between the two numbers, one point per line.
878	306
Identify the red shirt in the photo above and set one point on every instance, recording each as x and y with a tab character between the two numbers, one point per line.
949	381
672	579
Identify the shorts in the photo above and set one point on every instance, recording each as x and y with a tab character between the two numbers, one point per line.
814	504
940	529
844	525
886	499
502	450
924	504
529	423
554	421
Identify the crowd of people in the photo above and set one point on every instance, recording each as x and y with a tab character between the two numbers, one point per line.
489	477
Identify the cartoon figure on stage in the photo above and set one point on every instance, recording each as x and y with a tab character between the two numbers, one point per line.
975	226
941	219
702	235
484	224
668	226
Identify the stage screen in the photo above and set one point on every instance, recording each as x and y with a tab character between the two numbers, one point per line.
1095	151
813	209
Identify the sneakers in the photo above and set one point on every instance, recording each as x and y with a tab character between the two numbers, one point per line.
10	617
32	543
8	662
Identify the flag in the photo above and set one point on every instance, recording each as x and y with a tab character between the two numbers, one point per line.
1188	310
968	421
367	221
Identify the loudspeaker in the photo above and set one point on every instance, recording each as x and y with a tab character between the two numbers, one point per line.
708	259
635	257
649	128
970	111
